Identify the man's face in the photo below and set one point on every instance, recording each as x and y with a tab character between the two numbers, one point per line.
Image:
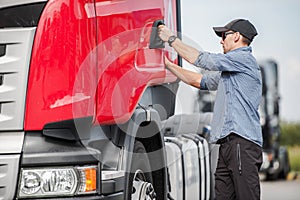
227	41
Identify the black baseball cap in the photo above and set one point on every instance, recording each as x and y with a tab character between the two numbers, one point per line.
242	26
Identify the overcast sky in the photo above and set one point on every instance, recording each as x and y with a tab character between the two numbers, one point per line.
278	26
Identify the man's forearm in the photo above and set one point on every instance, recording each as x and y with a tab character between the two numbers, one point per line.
190	54
189	77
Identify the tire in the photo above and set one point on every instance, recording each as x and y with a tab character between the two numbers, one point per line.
140	185
286	166
272	177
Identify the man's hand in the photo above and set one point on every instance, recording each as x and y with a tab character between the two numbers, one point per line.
167	62
189	77
164	33
187	52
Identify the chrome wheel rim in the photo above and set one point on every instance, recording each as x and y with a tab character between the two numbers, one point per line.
141	189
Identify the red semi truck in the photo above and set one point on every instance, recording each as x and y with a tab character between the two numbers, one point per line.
84	95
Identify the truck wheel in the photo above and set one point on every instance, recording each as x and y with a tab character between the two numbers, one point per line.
286	165
140	178
272	177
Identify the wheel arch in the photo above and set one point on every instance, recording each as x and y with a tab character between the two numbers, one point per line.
148	132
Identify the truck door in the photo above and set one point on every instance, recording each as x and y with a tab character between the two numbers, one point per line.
126	64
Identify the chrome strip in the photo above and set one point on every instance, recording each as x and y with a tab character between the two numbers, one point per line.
9	166
14	66
108	175
11	142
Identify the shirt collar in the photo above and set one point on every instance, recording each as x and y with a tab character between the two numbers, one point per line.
247	48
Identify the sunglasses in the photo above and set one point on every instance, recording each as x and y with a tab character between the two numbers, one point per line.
224	34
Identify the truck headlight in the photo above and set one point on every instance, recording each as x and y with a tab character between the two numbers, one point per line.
267	157
58	181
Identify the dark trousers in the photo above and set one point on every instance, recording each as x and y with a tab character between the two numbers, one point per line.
236	176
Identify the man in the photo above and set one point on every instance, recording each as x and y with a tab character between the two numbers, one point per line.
235	124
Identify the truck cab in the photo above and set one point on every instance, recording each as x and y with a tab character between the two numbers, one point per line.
84	95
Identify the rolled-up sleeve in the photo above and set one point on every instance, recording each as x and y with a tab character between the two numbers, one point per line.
206	61
218	62
210	81
203	85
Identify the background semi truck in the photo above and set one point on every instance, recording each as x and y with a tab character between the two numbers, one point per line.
275	157
87	106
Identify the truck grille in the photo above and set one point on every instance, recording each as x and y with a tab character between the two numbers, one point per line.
8	175
2	50
17	30
14	64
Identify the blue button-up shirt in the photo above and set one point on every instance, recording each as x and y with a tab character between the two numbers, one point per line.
239	86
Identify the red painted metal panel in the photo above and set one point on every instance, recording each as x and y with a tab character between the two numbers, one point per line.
61	81
126	64
93	59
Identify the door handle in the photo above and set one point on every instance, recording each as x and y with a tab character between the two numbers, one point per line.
155	41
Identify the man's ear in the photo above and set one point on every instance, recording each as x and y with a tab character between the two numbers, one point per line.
237	36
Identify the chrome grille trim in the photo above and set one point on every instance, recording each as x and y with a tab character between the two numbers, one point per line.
9	166
14	66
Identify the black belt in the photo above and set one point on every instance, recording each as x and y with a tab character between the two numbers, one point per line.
228	138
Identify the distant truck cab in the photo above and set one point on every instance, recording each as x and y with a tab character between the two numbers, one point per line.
275	157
